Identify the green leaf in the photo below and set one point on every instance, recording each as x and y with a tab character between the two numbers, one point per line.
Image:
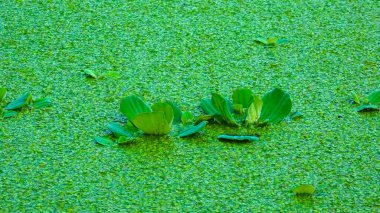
166	109
119	130
105	141
90	73
9	113
243	97
295	115
276	106
374	97
208	108
132	105
261	40
272	41
305	189
191	130
222	106
254	110
21	101
3	93
282	41
177	112
153	123
41	103
124	140
367	108
355	98
238	108
187	117
238	138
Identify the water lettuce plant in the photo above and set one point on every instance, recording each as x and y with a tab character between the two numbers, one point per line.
371	103
247	108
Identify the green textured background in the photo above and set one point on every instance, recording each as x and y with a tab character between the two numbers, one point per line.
183	51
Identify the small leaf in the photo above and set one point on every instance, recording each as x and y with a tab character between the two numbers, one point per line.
355	98
118	130
191	130
276	106
9	113
187	117
124	140
132	105
203	118
374	97
305	189
222	106
295	115
153	123
254	111
367	108
21	101
41	103
90	73
177	112
105	141
261	40
239	138
272	41
243	97
3	93
282	41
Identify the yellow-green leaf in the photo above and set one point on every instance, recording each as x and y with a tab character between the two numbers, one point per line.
153	123
254	110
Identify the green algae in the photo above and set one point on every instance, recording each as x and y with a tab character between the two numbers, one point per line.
181	52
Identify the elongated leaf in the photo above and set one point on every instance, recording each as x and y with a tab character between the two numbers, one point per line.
243	97
221	105
276	106
90	73
1	112
208	108
254	110
355	98
124	140
19	102
105	141
177	112
374	97
42	103
132	105
238	138
9	113
119	130
295	115
153	123
191	130
261	40
3	93
305	189
367	108
187	117
166	109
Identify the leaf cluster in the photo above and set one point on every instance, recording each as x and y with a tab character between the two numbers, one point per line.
370	103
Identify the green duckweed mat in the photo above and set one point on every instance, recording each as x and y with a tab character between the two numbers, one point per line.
182	51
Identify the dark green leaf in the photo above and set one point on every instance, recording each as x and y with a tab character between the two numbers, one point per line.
132	105
105	141
276	106
305	189
153	123
167	109
119	130
3	93
187	117
239	138
90	73
208	108
177	112
367	108
243	97
9	113
21	101
374	97
191	130
41	103
221	105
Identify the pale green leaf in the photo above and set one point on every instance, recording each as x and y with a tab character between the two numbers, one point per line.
254	110
90	73
305	189
154	123
167	109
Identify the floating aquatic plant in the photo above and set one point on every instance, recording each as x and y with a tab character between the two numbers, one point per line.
371	103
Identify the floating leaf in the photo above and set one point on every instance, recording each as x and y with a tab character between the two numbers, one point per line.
41	103
272	41
154	123
221	105
367	108
238	108
203	118
295	115
254	110
276	106
282	41
191	130
19	102
243	97
187	117
3	93
374	97
305	189
124	140
90	73
166	109
239	138
105	141
132	105
208	108
9	113
355	98
261	40
177	112
118	130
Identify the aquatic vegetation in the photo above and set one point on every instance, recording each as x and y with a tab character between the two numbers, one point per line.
271	42
237	138
304	189
371	103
